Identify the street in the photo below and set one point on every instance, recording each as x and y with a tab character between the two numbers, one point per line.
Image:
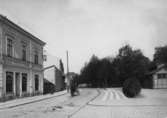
60	107
95	103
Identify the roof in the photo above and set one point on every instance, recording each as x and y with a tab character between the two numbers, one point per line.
20	29
47	81
52	66
162	66
71	74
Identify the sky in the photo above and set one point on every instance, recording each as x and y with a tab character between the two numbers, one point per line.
87	27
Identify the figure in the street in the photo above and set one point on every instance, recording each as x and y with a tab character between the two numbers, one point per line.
74	86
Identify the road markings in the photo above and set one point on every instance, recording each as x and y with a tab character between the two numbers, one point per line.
106	95
122	95
111	94
117	96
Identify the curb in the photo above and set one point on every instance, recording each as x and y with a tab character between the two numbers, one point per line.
87	103
31	101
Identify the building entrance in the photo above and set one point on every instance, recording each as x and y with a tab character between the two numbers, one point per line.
17	76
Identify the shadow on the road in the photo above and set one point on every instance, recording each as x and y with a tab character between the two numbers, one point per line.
140	96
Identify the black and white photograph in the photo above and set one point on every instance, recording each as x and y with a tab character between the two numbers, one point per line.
83	58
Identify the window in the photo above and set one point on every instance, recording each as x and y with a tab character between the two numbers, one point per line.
9	82
24	82
44	57
24	52
162	76
159	76
9	47
36	57
36	82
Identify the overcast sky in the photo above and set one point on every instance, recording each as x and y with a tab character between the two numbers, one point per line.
86	27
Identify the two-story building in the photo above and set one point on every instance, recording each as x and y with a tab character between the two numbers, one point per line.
21	61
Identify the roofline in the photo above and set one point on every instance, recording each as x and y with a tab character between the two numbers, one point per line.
154	71
50	67
71	73
20	29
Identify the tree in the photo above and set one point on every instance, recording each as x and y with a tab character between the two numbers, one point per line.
106	72
89	71
103	74
131	64
61	66
160	56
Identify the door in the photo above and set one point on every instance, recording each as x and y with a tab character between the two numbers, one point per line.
17	84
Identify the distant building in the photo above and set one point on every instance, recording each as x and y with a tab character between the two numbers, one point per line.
55	76
51	60
157	78
21	61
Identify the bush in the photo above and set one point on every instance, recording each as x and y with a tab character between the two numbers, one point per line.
131	87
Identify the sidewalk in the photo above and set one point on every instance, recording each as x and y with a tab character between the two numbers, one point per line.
27	100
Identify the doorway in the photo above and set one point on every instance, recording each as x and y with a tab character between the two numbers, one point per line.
17	76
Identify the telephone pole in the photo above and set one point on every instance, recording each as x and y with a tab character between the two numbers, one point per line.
68	78
67	63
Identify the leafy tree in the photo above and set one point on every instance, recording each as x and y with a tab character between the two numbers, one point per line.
152	66
160	56
89	71
103	74
131	63
106	72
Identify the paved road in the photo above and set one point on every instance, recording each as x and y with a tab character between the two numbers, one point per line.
108	103
111	103
59	107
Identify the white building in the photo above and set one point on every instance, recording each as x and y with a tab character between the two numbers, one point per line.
55	76
159	77
21	61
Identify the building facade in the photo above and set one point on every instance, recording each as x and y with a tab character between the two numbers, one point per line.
54	76
157	79
160	77
21	61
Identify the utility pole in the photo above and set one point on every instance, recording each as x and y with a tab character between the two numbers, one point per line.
67	63
67	77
